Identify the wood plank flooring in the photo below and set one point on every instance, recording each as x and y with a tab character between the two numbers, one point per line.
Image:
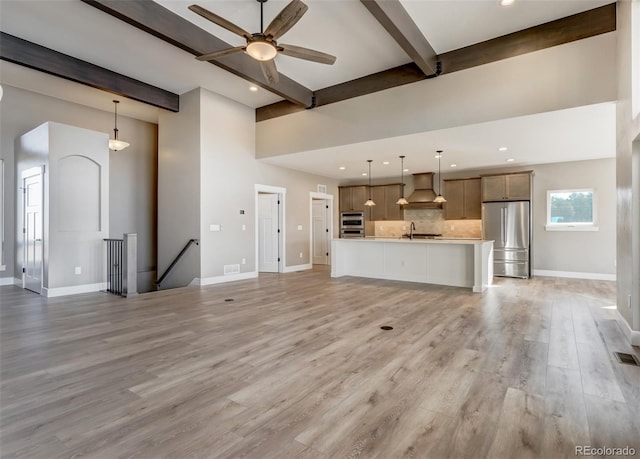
297	366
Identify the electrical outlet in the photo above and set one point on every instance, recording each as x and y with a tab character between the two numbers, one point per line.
453	228
300	254
404	228
244	227
244	261
78	270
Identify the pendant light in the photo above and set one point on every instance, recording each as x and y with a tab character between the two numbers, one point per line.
439	198
402	201
369	202
115	144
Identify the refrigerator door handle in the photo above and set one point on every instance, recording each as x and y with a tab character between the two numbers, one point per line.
502	225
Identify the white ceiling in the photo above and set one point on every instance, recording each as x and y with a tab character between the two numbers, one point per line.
341	27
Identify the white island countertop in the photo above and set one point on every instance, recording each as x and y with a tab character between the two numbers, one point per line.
443	261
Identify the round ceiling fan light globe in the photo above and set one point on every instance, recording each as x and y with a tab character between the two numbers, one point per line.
261	50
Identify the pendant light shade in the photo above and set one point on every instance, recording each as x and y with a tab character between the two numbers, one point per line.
439	198
116	144
402	201
369	201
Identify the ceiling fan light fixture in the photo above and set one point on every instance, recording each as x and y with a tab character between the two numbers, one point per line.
261	50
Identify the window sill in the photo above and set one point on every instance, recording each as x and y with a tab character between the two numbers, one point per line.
571	228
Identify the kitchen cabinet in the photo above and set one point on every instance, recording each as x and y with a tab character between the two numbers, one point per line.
385	197
463	199
352	198
507	187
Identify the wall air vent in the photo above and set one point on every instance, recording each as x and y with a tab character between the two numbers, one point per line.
231	269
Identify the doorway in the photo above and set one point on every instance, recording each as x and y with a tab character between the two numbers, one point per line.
32	229
270	235
321	228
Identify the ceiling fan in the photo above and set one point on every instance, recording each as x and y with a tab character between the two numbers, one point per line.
262	46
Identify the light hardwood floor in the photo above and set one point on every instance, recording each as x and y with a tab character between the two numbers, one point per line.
297	366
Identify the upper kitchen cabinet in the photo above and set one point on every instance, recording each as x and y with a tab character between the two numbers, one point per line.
463	199
507	187
352	198
385	197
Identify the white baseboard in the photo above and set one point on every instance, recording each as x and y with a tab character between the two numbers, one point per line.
574	275
10	281
73	290
223	279
633	336
292	269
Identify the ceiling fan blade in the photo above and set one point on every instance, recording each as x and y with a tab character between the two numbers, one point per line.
223	52
286	19
306	53
219	20
270	71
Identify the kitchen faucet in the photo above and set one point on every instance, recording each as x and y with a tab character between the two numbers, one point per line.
411	229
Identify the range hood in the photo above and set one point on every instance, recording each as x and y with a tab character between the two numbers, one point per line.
423	194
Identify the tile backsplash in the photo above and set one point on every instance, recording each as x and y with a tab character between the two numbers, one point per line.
428	221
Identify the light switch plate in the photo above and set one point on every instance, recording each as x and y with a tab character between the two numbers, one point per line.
215	227
299	227
78	269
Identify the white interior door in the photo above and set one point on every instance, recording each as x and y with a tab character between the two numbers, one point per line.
320	232
268	237
33	257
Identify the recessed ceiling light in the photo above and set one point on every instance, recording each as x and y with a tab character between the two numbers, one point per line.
506	2
406	170
453	165
510	160
364	174
502	149
253	88
438	156
385	162
342	168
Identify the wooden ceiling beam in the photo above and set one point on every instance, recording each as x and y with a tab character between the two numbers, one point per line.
397	22
576	27
27	54
571	28
164	24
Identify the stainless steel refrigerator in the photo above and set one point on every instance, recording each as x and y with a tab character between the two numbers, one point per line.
508	225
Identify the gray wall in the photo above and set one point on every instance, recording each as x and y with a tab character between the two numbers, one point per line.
628	131
75	211
179	190
551	79
220	177
132	177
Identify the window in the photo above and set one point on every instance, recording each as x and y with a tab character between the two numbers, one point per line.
571	210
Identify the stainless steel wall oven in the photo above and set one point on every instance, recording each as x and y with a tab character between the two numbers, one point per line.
352	224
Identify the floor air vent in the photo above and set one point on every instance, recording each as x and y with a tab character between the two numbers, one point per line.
628	359
386	327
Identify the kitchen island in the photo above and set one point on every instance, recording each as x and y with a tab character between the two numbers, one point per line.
455	262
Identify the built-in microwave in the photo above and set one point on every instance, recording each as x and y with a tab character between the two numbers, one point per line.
352	220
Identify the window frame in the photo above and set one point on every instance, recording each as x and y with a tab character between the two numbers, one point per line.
573	226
